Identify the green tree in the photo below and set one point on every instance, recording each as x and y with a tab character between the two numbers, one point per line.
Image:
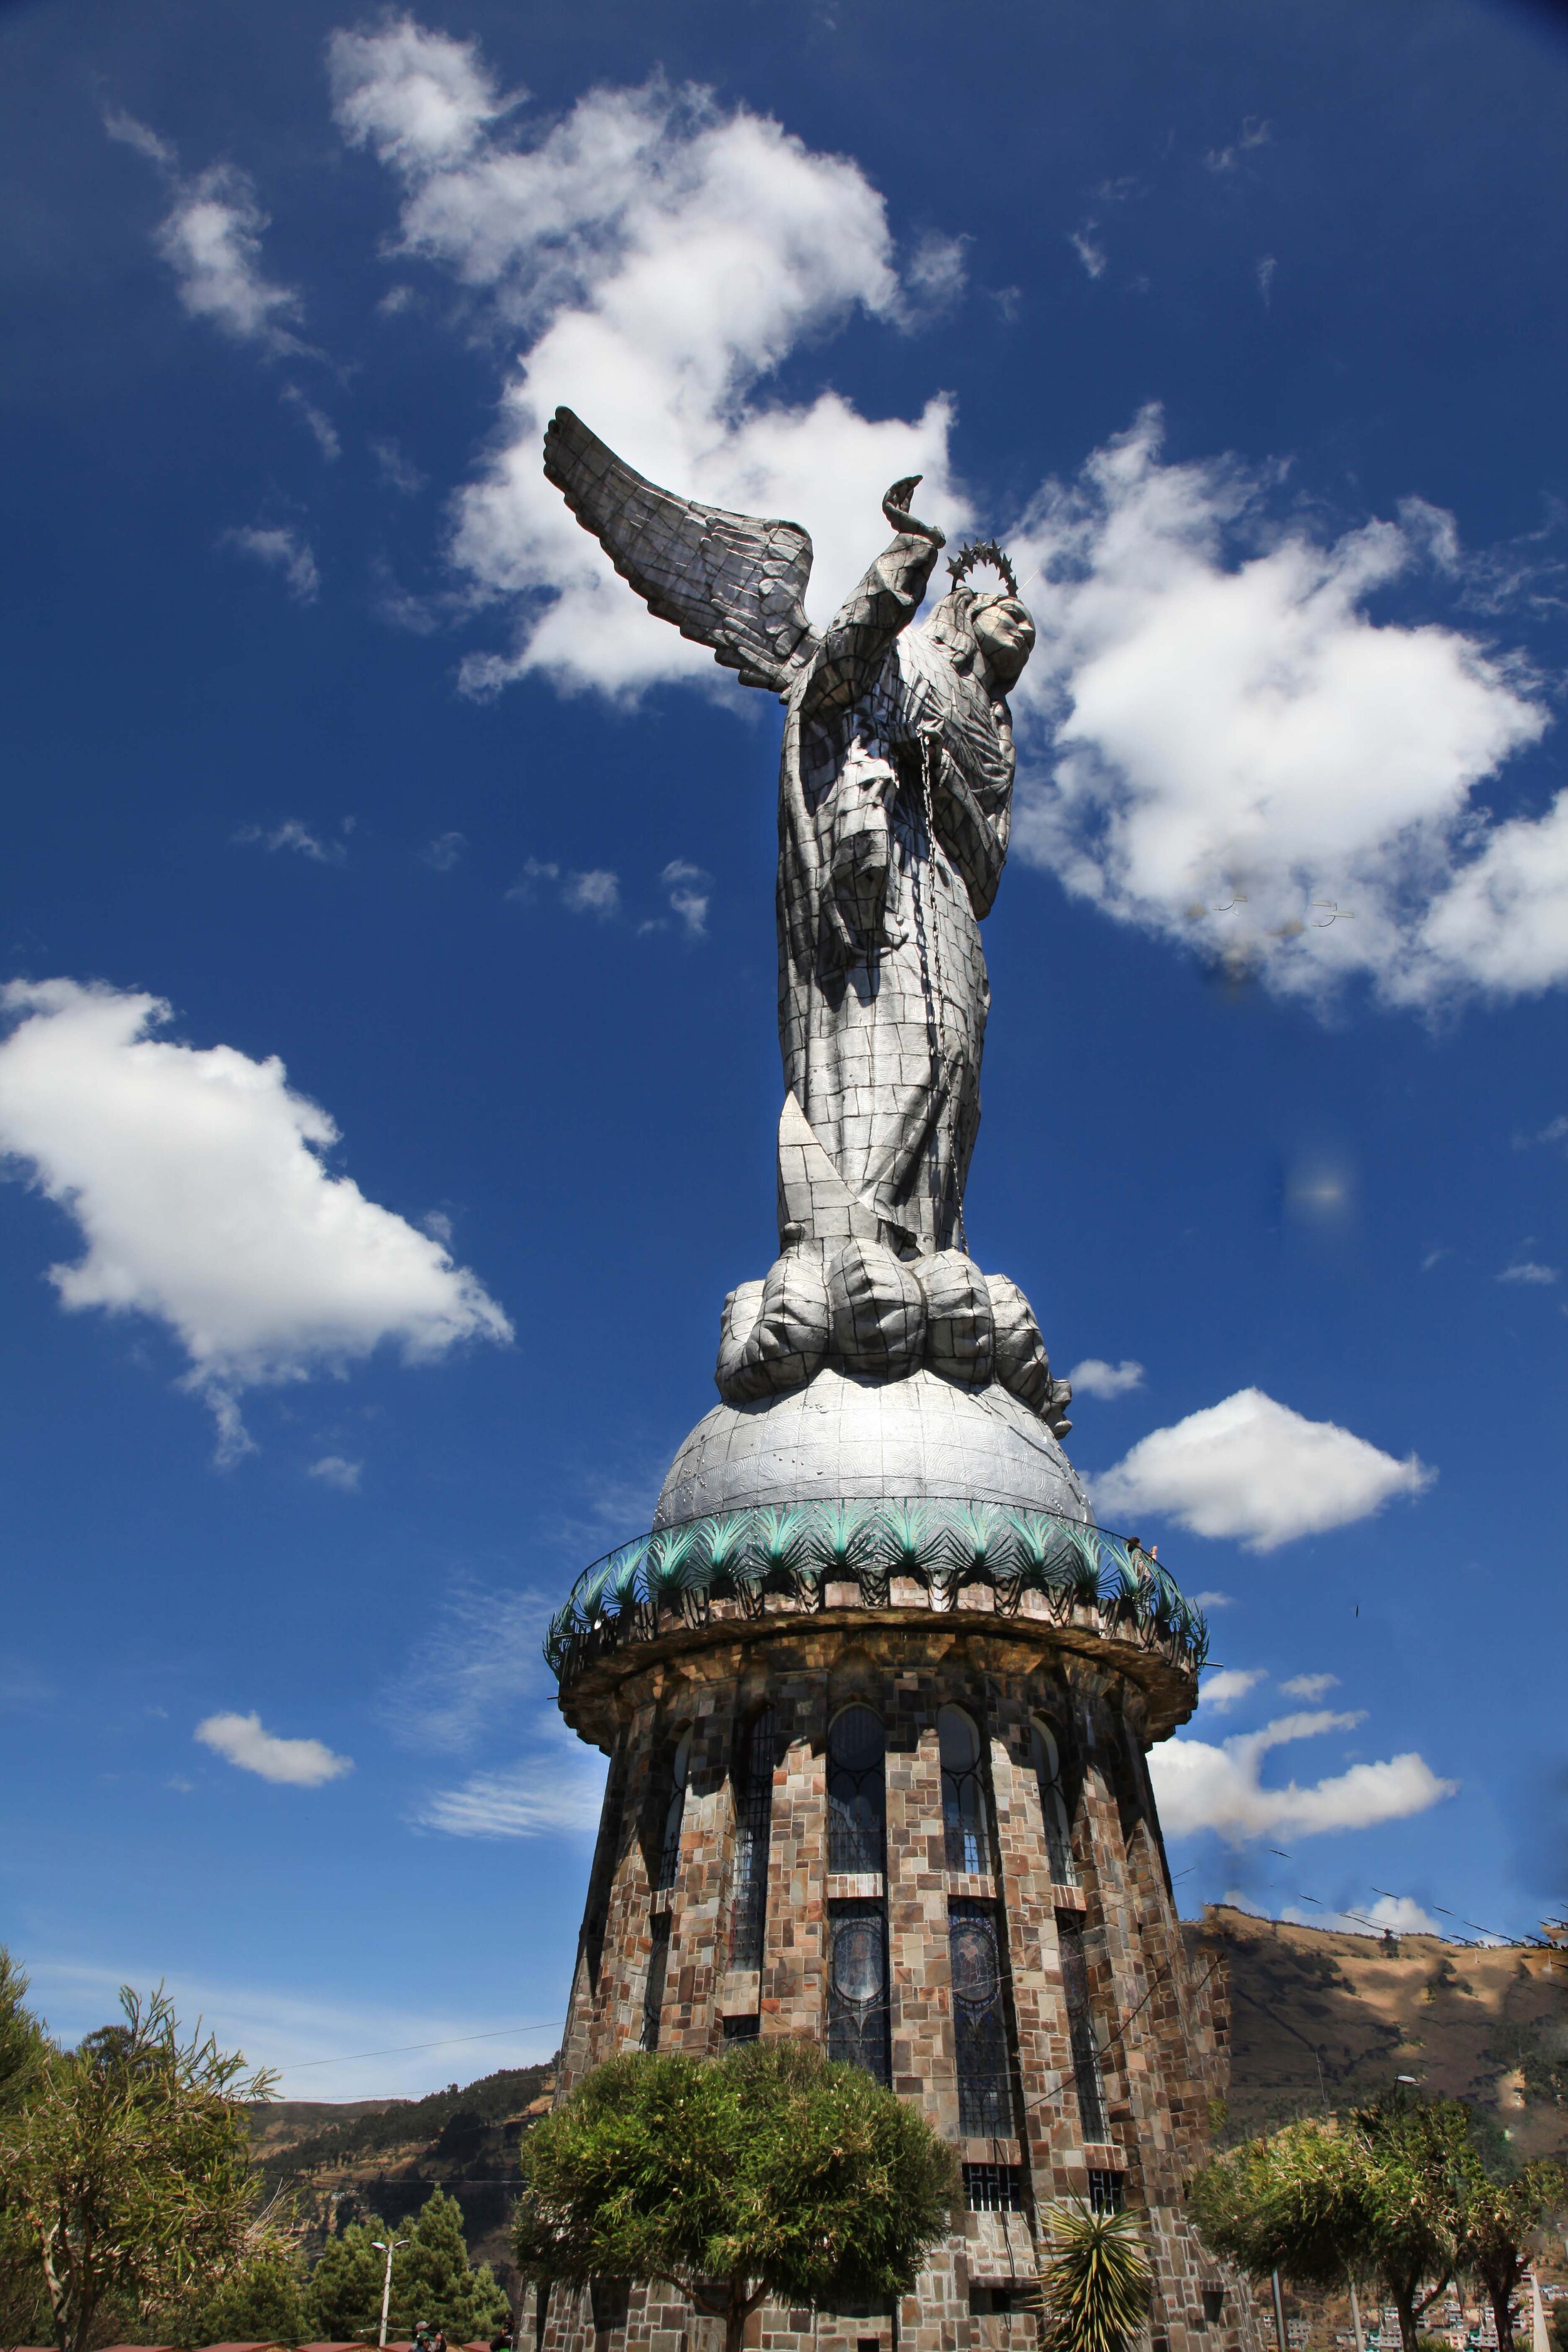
1499	2218
344	2294
1381	2194
768	2173
125	2170
1096	2282
263	2299
23	2040
432	2279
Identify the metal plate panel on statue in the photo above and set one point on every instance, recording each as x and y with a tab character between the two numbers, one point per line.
855	1440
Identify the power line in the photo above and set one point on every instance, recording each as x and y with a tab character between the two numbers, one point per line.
401	2049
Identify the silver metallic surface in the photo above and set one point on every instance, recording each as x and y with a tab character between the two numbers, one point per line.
861	1439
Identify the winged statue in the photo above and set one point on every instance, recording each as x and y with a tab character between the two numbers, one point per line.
895	802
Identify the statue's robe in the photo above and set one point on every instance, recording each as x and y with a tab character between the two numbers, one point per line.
883	992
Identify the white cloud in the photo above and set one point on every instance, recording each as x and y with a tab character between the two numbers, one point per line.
1391	1915
197	1179
1222	1689
444	852
1243	759
1096	1377
396	469
1253	1469
292	834
1201	1787
332	1470
281	548
319	426
1309	1686
469	1666
935	275
294	1763
597	892
419	100
1091	255
211	239
1214	1601
1529	1270
543	1796
690	892
661	257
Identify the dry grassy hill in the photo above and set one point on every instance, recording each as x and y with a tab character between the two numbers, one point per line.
1490	2025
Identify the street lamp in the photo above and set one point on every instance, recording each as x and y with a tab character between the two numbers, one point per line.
388	2248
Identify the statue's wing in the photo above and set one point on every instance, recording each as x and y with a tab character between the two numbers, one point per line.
725	580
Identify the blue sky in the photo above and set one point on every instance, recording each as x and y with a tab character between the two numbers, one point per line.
390	1072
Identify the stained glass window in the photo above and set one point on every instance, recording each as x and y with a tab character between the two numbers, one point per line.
963	1807
1046	1759
1080	2025
753	1786
856	1794
669	1845
979	2026
857	1985
653	1991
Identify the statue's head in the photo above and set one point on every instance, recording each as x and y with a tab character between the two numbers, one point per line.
993	627
993	630
1004	634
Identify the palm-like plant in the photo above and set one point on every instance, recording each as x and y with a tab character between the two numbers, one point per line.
839	1533
1094	2282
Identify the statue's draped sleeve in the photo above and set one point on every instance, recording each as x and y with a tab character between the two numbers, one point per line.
858	639
841	672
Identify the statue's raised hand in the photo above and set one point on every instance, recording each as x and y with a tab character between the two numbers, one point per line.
895	507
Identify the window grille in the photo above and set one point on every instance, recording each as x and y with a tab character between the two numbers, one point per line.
753	1786
994	2187
1046	1759
857	1791
1106	2191
857	1986
669	1845
963	1807
653	1991
1080	2026
979	2027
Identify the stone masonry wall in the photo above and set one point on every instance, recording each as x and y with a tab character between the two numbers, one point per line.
1159	2027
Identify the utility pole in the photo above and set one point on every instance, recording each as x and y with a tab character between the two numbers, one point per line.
1280	2315
389	2247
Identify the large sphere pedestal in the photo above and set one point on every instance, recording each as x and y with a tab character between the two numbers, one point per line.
876	1695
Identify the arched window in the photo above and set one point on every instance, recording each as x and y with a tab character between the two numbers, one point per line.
963	1808
856	1794
753	1786
979	2029
669	1845
857	1985
1045	1756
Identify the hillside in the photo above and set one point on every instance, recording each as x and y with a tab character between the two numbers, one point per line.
1490	2025
386	2155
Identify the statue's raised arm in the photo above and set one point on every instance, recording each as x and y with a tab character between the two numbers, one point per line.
730	581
